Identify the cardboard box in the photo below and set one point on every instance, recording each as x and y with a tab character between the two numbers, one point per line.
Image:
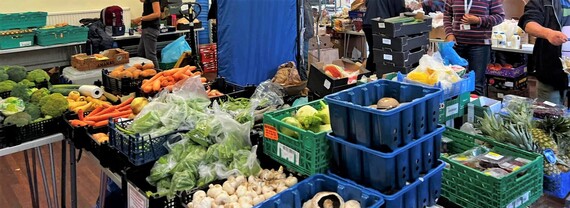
325	42
321	84
328	55
507	83
355	41
437	33
111	57
476	109
499	94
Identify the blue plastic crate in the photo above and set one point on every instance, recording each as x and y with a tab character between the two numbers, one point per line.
423	192
467	84
562	189
354	120
138	149
385	171
298	194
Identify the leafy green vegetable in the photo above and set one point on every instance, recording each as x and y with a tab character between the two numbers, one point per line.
207	174
162	168
11	106
146	123
19	119
163	188
225	150
183	181
206	130
54	105
293	122
246	162
324	113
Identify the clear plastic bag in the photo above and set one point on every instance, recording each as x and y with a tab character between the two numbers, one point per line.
207	174
431	71
268	94
246	162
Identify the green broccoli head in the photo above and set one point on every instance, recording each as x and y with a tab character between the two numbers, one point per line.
28	83
3	75
33	110
38	95
7	85
16	73
21	91
37	76
19	119
53	105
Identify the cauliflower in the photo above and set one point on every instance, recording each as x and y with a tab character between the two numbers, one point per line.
33	110
21	91
28	83
53	105
7	85
3	75
19	119
38	76
11	106
16	73
39	94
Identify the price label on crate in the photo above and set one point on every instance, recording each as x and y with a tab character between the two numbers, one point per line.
25	43
381	25
327	84
136	199
270	132
387	57
386	41
287	153
519	200
452	109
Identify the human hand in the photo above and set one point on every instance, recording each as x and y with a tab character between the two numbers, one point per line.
470	19
450	38
137	21
556	37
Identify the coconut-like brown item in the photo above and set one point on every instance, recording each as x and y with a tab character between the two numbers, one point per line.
387	103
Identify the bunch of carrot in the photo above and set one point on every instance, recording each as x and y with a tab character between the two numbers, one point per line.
167	79
100	116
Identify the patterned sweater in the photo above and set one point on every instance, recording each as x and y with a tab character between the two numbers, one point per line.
489	11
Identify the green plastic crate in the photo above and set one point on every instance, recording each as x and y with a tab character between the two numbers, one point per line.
22	20
16	41
454	108
471	188
307	155
61	35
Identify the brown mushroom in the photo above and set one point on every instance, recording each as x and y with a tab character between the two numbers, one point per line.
387	103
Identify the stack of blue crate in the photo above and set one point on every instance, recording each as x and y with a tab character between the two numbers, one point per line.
395	151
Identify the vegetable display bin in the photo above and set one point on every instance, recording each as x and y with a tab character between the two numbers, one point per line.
466	84
44	84
61	35
17	40
138	149
295	196
405	43
23	20
557	185
423	192
307	154
385	171
398	58
352	118
123	86
17	135
454	107
468	187
397	29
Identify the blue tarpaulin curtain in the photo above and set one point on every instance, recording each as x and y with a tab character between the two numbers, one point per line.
255	37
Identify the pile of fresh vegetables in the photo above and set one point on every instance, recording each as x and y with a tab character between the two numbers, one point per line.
136	71
10	76
242	191
168	78
309	118
99	117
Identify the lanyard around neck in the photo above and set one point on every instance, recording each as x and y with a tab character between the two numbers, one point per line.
468	6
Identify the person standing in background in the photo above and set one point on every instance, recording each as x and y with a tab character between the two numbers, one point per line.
309	32
150	25
548	21
383	9
469	23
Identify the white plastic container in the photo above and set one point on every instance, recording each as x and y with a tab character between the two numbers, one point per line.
494	40
502	40
516	41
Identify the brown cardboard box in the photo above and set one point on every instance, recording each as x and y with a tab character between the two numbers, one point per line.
111	57
355	41
327	55
325	42
437	33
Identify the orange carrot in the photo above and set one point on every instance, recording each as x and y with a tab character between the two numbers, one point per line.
90	123
178	75
124	108
101	123
103	112
80	114
127	102
109	115
197	73
171	72
191	68
156	86
147	89
188	73
94	112
204	80
77	123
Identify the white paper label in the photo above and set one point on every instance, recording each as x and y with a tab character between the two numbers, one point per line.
549	104
381	25
387	57
287	153
519	201
25	43
494	156
452	109
387	41
327	84
509	84
500	95
135	198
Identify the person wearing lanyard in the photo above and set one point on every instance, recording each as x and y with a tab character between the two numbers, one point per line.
548	21
469	24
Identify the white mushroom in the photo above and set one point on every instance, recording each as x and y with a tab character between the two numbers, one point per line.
258	199
229	188
269	194
215	190
245	200
281	188
241	191
223	198
290	181
352	204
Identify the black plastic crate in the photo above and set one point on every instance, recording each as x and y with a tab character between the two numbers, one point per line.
404	43
323	85
14	135
385	68
138	149
398	58
122	86
77	135
388	29
44	84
